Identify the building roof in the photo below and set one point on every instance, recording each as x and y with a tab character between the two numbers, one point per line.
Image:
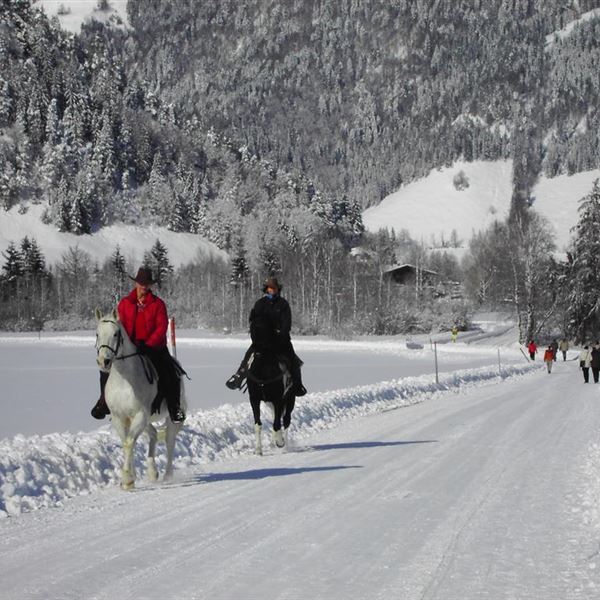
405	268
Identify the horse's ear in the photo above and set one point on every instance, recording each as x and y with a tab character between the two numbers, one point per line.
98	314
115	316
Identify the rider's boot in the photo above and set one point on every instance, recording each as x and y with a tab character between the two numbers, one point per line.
176	412
296	373
237	379
101	409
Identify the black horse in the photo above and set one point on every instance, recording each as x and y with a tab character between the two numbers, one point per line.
269	380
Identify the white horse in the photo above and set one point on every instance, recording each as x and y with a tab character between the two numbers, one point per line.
129	392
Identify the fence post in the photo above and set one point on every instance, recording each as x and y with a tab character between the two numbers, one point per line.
173	340
437	378
499	365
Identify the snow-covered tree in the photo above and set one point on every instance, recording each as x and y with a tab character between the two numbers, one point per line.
13	265
157	259
583	279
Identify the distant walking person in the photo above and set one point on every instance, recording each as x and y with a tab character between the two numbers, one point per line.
563	347
454	333
532	348
585	362
549	357
554	346
595	364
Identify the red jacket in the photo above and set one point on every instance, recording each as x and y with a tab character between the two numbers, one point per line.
532	347
549	355
146	322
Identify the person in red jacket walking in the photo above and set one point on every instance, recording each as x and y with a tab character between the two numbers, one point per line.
532	348
144	317
549	357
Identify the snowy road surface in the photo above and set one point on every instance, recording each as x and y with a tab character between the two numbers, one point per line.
479	494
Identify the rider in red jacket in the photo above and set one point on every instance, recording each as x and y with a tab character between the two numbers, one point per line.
144	317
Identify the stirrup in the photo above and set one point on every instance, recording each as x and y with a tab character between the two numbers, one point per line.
235	381
177	415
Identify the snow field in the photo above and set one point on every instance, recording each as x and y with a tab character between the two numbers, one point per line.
44	471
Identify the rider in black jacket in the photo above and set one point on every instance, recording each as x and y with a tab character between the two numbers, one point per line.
270	324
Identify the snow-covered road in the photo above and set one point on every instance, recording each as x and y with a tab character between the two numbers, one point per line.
479	494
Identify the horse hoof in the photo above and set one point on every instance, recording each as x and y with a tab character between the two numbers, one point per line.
278	439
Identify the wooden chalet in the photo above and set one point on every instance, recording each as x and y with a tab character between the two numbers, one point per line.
411	275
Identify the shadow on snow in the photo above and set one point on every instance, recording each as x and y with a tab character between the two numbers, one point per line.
264	473
368	445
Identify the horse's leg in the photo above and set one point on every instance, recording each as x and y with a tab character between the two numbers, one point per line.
150	462
121	426
258	439
172	431
289	404
255	404
136	426
277	433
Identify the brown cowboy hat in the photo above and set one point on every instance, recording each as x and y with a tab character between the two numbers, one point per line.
144	276
271	282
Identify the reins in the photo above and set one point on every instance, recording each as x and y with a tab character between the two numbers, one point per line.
146	364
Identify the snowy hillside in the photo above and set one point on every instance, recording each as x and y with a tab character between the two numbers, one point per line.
72	13
432	207
133	241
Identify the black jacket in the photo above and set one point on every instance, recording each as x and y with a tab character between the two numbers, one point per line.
271	322
595	358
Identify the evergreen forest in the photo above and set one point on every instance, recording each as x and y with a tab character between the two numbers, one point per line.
267	127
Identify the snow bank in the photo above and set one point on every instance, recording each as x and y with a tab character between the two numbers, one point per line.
43	471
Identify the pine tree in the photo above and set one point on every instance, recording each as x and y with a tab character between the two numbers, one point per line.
12	269
584	272
34	263
157	259
117	273
6	103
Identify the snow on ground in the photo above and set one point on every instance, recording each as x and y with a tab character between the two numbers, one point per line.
475	491
65	363
432	208
42	471
183	248
73	13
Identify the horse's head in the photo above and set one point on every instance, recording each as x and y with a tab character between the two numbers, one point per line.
109	339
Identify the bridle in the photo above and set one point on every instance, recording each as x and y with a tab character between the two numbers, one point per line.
115	351
148	370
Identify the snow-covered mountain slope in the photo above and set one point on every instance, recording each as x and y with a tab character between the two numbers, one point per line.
432	207
72	13
184	248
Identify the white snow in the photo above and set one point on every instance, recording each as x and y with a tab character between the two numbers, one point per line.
480	487
431	208
42	471
79	11
183	248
